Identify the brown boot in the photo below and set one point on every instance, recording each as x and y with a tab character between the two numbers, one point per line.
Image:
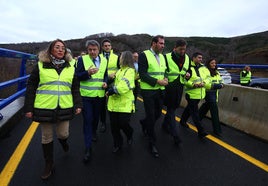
48	155
64	144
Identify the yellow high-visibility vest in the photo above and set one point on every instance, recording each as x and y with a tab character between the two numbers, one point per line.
154	70
246	79
123	100
93	87
112	62
174	70
54	89
204	76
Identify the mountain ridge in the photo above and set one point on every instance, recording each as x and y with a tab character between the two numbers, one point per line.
246	49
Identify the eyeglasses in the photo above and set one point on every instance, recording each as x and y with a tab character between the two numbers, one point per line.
57	47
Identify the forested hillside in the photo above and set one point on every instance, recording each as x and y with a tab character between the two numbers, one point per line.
251	48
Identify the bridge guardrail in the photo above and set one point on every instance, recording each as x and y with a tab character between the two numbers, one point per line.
11	106
21	80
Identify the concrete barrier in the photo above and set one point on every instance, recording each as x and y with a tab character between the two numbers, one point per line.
243	108
12	113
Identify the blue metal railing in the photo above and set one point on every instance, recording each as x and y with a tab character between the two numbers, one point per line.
21	80
242	66
236	77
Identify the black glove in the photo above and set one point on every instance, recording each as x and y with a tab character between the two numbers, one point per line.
217	86
111	91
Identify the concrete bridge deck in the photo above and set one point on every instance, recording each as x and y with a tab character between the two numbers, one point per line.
234	159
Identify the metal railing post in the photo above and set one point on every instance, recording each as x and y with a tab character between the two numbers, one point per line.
22	84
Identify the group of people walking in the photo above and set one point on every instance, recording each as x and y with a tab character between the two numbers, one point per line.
59	88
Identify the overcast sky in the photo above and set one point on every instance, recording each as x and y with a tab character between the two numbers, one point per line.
46	20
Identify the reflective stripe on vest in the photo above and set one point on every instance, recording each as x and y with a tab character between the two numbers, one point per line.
174	70
54	90
154	70
93	86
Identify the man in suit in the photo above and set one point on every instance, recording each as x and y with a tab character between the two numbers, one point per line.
92	72
152	68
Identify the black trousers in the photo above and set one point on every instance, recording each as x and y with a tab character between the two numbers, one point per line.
153	102
173	95
103	110
118	121
192	110
136	90
214	112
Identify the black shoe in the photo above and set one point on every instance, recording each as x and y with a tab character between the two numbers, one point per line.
48	170
116	149
185	125
165	128
65	147
143	127
103	127
177	140
154	151
94	137
64	144
202	134
87	155
130	141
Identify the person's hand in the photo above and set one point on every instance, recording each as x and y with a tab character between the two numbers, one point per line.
92	70
78	111
187	75
112	76
165	81
104	85
162	82
199	85
29	114
107	94
110	92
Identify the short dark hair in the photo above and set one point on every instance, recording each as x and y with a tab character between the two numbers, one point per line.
180	42
105	40
196	54
156	38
